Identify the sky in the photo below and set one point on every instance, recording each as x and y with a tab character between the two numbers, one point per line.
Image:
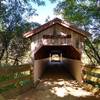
44	12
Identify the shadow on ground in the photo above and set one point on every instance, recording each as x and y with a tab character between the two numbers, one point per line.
57	84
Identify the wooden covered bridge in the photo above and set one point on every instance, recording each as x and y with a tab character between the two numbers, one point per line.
57	41
56	67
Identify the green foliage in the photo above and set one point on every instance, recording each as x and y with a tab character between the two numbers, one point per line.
11	77
13	25
86	15
53	1
83	13
14	11
95	84
92	52
11	86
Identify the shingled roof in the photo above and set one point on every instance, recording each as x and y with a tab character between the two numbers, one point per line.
53	22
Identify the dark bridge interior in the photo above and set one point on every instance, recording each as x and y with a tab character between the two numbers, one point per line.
44	66
56	72
66	51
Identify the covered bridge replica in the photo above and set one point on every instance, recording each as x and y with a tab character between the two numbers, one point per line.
57	41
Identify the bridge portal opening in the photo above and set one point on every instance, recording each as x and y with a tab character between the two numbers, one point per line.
56	70
66	51
55	56
59	60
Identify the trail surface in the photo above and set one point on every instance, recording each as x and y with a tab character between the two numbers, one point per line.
56	84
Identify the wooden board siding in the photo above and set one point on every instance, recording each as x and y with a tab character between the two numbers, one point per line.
12	70
61	31
55	37
53	22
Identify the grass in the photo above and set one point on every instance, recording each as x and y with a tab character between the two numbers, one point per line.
4	89
11	77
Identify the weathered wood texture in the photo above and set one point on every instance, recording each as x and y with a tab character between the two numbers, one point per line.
14	69
92	78
25	74
57	35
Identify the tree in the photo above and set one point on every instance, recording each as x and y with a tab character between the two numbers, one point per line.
12	14
13	24
18	45
86	15
47	19
83	13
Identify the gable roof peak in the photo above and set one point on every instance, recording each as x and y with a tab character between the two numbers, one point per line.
51	23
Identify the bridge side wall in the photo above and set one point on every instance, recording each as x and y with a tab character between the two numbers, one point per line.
39	66
74	68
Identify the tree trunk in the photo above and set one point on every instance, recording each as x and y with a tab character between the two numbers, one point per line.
2	54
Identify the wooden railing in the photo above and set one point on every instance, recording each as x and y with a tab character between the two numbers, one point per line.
92	78
15	80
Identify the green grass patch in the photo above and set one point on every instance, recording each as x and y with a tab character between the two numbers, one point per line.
4	89
95	84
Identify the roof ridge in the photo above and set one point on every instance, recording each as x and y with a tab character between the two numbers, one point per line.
52	22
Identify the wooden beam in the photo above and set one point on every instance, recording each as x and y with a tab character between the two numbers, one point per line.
12	70
13	81
56	36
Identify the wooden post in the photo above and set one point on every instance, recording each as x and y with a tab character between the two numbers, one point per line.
32	73
50	57
61	57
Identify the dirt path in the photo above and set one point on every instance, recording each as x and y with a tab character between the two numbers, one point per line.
57	85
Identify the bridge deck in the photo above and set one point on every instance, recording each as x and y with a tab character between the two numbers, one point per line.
56	84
